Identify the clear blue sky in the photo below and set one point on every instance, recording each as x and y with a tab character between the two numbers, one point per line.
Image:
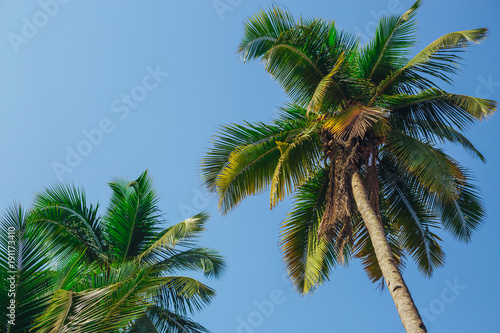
71	76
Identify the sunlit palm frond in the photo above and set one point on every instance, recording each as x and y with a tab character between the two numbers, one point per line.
166	321
182	295
236	137
327	93
244	163
181	234
298	159
438	59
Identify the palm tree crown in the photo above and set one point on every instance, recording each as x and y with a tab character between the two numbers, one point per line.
356	111
82	272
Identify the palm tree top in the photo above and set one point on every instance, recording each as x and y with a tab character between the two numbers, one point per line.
122	270
380	103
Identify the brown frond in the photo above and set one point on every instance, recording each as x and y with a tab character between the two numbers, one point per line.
355	121
335	224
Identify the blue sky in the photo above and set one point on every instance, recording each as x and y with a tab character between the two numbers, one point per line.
65	89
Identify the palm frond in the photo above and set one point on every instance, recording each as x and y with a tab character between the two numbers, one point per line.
65	206
167	321
235	137
308	258
239	170
463	215
132	216
438	59
262	30
393	38
436	107
207	261
183	295
433	169
162	254
327	92
298	160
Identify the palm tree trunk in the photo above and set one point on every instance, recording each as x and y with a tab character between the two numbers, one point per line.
397	287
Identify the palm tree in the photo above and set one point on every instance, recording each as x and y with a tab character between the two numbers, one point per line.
77	271
357	147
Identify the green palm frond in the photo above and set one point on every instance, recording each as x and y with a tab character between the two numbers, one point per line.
308	258
393	38
412	216
327	93
72	273
437	107
262	30
164	256
235	137
244	161
298	54
180	234
438	59
169	322
132	216
464	214
298	160
433	169
65	207
207	261
29	252
297	73
73	200
301	58
183	295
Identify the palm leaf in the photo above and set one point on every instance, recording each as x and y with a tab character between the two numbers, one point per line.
132	216
393	38
169	322
308	258
298	159
433	169
233	137
410	213
438	59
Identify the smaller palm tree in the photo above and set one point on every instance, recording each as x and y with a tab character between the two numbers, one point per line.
77	271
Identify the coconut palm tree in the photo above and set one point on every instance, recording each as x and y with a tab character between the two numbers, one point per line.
357	148
78	271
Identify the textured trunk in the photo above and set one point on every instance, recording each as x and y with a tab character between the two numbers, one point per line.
397	287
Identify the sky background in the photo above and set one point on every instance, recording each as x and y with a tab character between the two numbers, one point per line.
67	77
